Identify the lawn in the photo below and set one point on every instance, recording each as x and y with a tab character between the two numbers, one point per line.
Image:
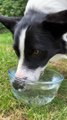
10	108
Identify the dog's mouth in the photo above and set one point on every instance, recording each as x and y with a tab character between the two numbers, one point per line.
20	83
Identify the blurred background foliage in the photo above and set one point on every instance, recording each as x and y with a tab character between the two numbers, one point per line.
12	8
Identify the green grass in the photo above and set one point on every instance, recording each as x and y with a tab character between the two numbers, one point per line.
10	108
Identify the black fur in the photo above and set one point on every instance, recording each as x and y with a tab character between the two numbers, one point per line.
9	22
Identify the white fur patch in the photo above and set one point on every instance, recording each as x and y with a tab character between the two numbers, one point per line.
21	48
46	6
65	39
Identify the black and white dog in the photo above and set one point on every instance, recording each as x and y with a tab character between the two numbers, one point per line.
39	35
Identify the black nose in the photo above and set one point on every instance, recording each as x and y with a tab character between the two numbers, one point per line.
19	83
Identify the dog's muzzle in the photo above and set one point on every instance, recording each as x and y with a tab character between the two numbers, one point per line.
19	83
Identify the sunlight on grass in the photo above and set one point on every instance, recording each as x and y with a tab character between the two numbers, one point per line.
5	38
10	108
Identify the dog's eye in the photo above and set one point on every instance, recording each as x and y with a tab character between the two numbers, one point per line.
36	52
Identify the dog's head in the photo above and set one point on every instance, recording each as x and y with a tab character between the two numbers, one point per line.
37	38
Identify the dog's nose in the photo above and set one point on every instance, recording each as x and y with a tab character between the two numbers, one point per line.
19	74
19	83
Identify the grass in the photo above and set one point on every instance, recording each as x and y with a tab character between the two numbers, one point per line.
10	108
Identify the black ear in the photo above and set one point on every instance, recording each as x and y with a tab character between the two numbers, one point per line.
56	23
60	17
9	22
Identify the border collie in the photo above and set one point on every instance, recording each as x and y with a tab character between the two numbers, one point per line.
39	35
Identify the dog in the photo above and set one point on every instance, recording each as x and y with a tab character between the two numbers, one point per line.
38	36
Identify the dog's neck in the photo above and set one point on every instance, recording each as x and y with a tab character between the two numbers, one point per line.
46	6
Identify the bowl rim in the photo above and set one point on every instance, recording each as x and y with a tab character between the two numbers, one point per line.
61	77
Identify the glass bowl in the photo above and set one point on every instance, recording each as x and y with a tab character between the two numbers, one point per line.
38	92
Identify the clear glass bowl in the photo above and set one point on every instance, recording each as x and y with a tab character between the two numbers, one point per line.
38	92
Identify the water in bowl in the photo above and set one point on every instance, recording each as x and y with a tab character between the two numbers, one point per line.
40	92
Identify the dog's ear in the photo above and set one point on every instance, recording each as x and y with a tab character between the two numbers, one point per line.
9	22
60	17
56	23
